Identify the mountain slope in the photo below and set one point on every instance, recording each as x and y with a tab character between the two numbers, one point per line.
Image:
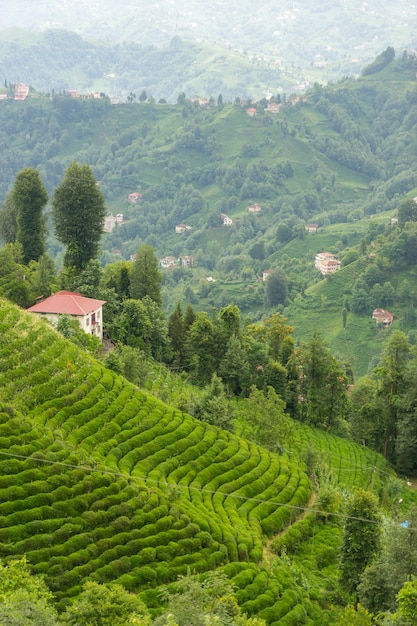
99	479
302	38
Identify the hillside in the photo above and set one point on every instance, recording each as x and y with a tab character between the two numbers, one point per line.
247	51
102	480
343	157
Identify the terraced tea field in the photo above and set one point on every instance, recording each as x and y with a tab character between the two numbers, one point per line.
100	480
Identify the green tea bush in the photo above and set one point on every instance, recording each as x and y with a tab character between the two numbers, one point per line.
296	617
294	535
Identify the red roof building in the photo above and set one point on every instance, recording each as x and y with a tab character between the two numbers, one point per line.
382	317
88	311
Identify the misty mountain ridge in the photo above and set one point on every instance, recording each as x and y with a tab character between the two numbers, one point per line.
237	52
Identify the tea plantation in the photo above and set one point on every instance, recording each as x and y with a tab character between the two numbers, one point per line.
100	480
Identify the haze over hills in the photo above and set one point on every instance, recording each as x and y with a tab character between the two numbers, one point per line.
287	43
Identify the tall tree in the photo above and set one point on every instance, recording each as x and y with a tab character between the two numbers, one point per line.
13	282
8	220
145	278
276	287
390	376
200	340
29	198
213	406
176	332
322	385
361	536
78	212
234	366
407	211
157	342
396	563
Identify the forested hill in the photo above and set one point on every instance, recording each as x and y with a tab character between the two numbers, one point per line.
342	157
238	52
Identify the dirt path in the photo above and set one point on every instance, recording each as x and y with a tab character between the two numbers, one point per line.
268	556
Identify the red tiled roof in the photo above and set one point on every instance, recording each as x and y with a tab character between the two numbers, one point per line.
67	302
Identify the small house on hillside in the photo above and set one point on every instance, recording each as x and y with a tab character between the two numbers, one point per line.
312	228
110	222
87	311
168	262
382	317
326	263
21	91
134	197
265	274
254	208
187	261
182	228
227	221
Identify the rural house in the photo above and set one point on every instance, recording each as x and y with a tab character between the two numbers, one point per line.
182	228
21	91
326	263
265	274
87	311
110	222
382	317
134	197
187	261
227	221
168	262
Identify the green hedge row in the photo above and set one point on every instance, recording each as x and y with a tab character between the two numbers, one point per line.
296	534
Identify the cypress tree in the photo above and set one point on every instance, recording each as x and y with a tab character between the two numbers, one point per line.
146	278
29	198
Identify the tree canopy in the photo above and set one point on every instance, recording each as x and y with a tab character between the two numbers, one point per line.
29	198
78	213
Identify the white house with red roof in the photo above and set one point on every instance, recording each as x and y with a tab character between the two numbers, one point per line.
88	311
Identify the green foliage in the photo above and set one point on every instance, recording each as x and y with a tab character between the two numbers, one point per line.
78	212
105	605
25	600
361	536
70	329
355	616
8	220
198	602
407	602
145	277
13	283
322	385
29	197
269	425
381	61
213	406
132	491
395	564
276	288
